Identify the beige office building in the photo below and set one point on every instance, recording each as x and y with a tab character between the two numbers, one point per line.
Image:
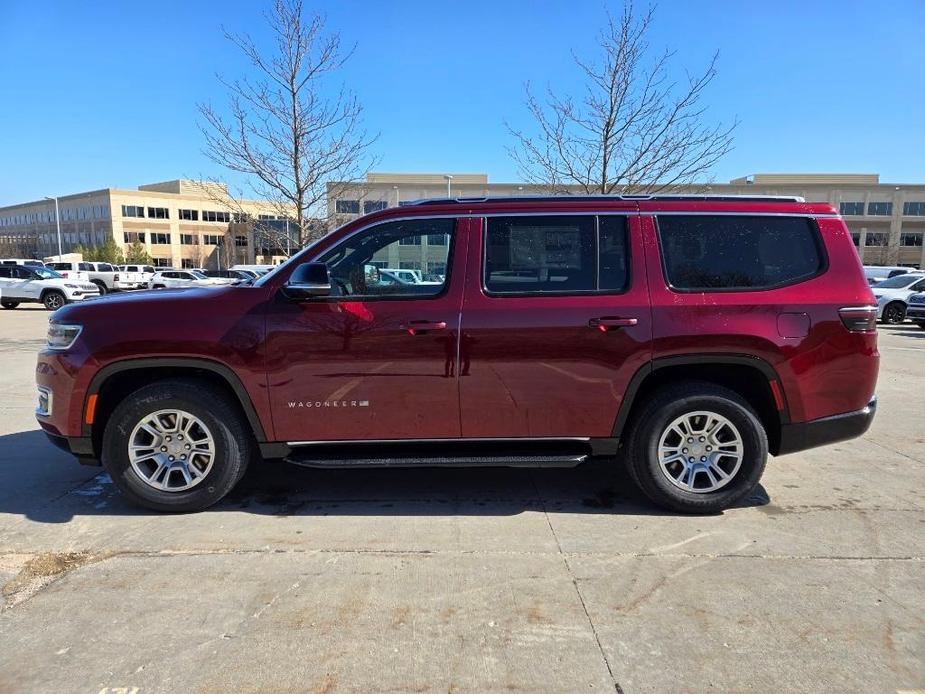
181	223
887	220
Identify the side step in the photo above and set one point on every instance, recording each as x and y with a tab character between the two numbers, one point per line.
449	453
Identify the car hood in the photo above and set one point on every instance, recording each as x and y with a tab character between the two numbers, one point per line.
139	302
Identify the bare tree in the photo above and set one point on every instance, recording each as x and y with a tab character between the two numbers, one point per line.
284	129
634	130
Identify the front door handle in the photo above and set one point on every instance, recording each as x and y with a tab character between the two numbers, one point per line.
422	327
606	323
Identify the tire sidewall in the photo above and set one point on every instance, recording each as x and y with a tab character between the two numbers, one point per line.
755	452
223	475
888	319
50	294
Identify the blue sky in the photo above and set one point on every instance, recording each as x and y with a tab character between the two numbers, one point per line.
104	93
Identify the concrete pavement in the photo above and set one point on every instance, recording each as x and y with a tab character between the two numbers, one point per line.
467	580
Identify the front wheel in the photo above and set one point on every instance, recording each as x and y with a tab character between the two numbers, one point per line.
696	448
54	300
9	304
176	446
894	313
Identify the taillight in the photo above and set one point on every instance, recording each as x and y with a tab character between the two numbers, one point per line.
859	319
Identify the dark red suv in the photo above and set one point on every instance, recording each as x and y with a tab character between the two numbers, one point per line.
686	336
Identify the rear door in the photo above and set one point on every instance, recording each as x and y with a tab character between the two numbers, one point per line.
376	359
556	321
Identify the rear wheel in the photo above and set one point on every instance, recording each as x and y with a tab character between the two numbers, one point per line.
9	304
894	313
53	300
176	446
696	448
100	286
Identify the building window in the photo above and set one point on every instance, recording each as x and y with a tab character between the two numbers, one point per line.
374	206
214	216
910	238
131	211
347	206
211	239
240	241
409	265
158	213
187	263
914	209
410	241
877	238
436	268
881	209
855	238
160	238
190	215
161	262
436	240
851	208
133	236
188	239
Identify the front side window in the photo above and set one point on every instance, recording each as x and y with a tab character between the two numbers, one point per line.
704	252
367	264
555	254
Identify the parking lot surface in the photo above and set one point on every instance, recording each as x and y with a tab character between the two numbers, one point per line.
467	580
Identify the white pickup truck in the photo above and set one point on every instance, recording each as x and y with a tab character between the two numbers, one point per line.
108	278
145	271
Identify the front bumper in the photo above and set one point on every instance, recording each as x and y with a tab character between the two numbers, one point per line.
79	446
801	436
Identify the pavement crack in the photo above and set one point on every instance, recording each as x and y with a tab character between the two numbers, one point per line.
581	599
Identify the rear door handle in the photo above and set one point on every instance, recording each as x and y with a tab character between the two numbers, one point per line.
421	327
605	323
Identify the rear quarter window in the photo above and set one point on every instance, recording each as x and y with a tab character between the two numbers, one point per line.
716	253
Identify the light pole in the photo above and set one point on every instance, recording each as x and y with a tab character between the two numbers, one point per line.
58	224
449	181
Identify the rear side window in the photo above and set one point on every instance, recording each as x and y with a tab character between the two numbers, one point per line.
703	252
555	254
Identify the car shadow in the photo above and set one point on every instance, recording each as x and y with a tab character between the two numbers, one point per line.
46	485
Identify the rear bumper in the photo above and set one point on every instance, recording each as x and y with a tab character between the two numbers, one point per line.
820	432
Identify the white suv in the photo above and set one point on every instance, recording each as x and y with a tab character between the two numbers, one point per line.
185	278
892	295
20	284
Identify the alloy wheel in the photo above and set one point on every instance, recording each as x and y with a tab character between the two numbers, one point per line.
700	452
171	450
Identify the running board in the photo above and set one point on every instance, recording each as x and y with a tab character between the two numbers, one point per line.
307	460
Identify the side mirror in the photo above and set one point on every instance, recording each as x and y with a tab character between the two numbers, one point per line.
307	281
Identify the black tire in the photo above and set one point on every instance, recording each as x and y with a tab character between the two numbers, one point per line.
671	402
234	445
9	304
101	287
894	313
53	299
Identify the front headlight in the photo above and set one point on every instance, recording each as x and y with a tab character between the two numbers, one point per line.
62	336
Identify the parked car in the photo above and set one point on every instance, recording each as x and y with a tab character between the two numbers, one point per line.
28	262
146	272
916	309
259	269
20	284
408	276
72	270
891	295
878	273
110	278
231	274
680	335
172	279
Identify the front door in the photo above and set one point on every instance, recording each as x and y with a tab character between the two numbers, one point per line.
376	360
556	321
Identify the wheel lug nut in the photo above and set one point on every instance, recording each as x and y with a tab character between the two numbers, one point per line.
186	446
690	460
163	449
168	438
180	437
170	458
183	457
690	440
709	448
703	459
702	439
684	450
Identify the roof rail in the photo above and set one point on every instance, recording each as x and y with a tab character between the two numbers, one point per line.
595	198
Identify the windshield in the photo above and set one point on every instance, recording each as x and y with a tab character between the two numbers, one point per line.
45	273
898	282
198	275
